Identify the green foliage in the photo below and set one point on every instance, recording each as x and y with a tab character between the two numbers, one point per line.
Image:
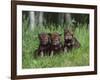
76	57
81	18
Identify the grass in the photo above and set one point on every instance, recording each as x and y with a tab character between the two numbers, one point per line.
76	57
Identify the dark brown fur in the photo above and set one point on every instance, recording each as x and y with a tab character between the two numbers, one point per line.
56	45
44	45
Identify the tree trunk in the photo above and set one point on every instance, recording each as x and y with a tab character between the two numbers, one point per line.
61	19
32	20
68	18
40	19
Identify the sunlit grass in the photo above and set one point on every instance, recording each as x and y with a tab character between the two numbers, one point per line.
76	57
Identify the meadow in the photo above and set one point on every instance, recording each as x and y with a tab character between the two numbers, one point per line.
76	57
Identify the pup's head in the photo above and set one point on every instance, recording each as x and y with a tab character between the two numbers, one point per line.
44	38
68	34
55	38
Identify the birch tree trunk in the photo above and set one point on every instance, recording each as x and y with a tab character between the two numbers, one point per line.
32	19
68	18
40	19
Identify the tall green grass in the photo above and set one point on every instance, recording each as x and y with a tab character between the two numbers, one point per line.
76	57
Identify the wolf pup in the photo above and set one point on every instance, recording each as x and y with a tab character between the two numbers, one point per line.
70	41
44	45
56	45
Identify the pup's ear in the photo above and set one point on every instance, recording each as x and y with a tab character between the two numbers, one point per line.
72	30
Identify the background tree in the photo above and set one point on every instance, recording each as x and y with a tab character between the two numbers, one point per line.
32	19
47	19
